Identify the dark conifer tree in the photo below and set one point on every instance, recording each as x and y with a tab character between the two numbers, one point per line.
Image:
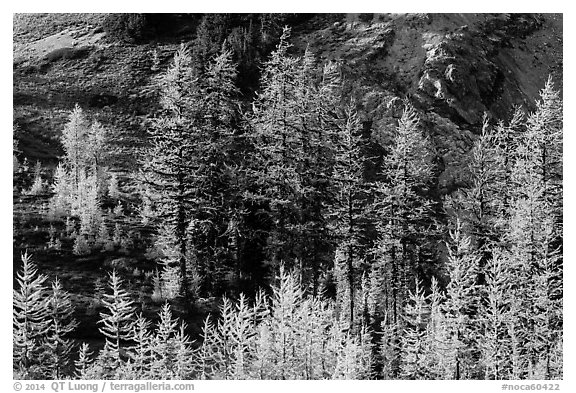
187	164
403	212
348	212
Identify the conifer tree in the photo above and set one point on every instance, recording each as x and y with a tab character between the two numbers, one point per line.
403	213
184	362
220	206
30	319
170	169
60	310
235	334
113	190
84	361
210	34
535	238
207	351
184	169
141	352
63	192
494	343
38	184
461	304
96	142
437	362
163	346
78	180
293	123
506	138
276	142
87	205
170	277
353	359
348	213
315	123
479	204
413	341
544	137
74	136
118	319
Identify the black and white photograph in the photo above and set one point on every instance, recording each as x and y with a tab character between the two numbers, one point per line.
287	196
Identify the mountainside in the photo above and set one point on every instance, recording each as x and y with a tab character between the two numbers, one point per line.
453	67
198	155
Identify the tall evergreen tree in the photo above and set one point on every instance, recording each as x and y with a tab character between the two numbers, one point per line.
74	136
186	163
293	125
535	236
478	205
403	211
348	213
276	141
170	169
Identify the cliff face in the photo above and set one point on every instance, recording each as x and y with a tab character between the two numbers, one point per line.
453	67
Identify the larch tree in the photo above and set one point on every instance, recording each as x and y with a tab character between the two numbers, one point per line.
163	346
184	168
30	318
84	361
506	137
294	120
535	237
117	321
494	343
315	124
437	362
74	136
276	143
535	227
461	304
63	192
348	213
220	210
59	346
413	350
477	205
403	213
141	352
169	165
79	180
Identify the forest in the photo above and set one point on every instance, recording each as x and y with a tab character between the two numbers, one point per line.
276	236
